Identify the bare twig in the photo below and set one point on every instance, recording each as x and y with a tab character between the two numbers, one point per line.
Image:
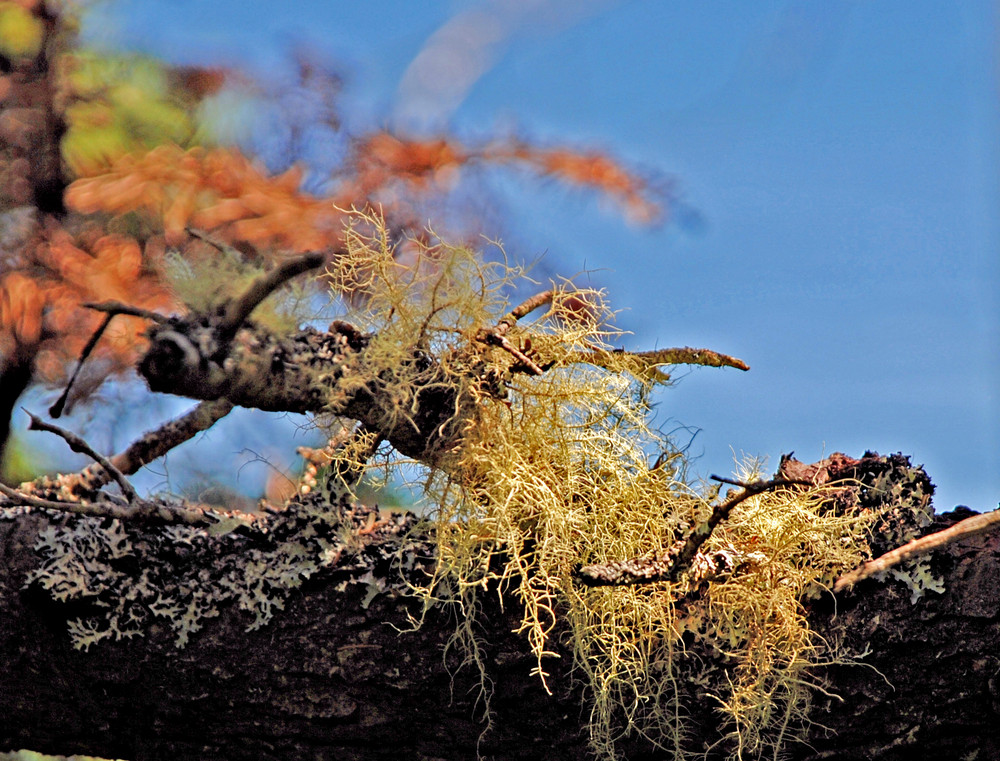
79	445
107	508
925	544
680	559
719	513
117	307
110	308
57	409
154	444
524	308
214	242
494	338
497	335
239	309
27	499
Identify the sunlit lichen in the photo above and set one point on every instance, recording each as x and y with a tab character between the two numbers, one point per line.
540	473
540	457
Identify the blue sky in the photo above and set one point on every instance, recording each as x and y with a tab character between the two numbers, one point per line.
842	158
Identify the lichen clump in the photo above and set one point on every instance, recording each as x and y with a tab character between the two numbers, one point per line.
541	473
534	441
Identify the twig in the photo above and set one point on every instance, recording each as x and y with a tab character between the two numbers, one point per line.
645	359
497	335
106	508
964	528
214	242
679	560
524	308
154	444
719	513
48	504
117	307
79	445
238	309
57	409
494	338
110	308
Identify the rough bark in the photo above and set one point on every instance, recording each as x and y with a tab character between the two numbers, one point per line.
331	677
933	689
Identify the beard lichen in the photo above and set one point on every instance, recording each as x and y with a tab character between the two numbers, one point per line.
543	464
539	456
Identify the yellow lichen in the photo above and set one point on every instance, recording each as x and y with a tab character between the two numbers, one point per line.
544	472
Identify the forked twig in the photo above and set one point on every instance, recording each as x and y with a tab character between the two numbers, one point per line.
493	338
497	335
670	567
154	444
976	524
720	512
79	445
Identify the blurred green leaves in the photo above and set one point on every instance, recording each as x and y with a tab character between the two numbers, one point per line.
21	33
120	104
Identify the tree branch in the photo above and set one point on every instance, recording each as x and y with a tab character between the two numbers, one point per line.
683	555
154	444
525	308
79	445
977	524
238	309
116	307
57	409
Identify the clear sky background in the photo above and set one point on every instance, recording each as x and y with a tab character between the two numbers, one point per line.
839	161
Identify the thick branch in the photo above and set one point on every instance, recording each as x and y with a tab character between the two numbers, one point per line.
330	677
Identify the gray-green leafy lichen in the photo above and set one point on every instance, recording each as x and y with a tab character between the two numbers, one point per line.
904	493
128	576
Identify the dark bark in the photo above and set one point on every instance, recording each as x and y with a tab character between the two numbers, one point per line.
933	689
330	678
15	376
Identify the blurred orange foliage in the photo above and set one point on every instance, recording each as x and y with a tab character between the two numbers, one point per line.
40	303
210	189
151	193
